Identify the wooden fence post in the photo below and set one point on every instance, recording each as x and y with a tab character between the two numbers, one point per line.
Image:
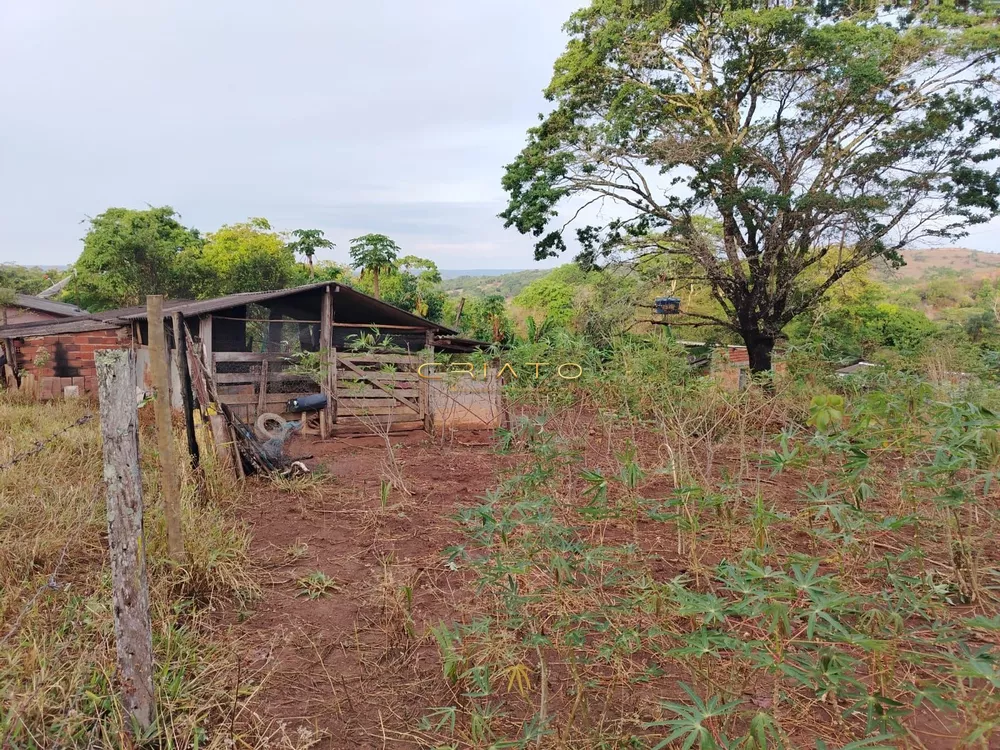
425	391
325	352
130	592
170	480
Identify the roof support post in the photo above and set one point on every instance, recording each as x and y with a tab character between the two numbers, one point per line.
325	354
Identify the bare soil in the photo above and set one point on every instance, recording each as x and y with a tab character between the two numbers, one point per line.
342	662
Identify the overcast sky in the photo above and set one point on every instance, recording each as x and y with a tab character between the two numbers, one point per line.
392	117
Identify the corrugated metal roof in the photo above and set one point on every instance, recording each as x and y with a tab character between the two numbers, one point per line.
54	327
381	312
343	291
32	302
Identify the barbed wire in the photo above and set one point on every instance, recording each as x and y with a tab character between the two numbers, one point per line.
51	583
39	445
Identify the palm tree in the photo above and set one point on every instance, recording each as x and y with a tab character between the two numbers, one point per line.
374	254
307	242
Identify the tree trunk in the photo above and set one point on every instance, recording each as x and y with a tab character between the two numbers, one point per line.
375	289
759	349
312	271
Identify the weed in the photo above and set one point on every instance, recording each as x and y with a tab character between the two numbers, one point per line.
316	585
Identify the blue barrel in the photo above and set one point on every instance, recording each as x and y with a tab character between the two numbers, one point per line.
312	402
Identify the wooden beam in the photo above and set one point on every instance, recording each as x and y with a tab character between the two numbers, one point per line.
205	334
380	326
425	402
170	480
325	350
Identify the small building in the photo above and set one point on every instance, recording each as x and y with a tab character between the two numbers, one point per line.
20	308
258	351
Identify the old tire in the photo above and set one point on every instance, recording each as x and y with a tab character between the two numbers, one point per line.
267	422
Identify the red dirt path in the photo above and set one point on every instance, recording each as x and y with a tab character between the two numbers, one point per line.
342	663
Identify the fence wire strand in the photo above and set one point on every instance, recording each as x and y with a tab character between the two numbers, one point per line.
40	445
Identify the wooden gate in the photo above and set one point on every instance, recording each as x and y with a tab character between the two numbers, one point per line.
378	391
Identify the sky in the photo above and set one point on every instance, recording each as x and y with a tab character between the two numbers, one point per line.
385	116
393	117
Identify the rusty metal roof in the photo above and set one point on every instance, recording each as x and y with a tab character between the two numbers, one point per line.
350	306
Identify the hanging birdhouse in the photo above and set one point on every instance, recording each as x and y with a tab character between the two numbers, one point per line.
667	305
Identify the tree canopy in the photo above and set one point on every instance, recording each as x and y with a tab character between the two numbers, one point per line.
247	257
307	242
130	253
374	255
807	132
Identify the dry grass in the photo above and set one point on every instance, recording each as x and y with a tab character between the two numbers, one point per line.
57	663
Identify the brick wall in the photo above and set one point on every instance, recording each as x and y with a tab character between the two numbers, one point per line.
66	359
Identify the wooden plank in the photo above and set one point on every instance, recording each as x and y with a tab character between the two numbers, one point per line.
170	480
245	378
380	326
377	392
251	398
380	375
425	411
250	356
400	412
399	359
391	391
197	372
262	390
333	384
126	543
348	403
205	335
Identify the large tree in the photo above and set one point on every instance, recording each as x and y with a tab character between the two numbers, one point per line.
374	254
130	253
808	132
246	257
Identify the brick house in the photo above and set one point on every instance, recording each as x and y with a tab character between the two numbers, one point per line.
58	353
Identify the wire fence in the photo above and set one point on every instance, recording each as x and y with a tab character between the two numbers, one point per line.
40	445
51	582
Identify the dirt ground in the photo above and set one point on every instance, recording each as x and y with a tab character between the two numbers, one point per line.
357	666
341	663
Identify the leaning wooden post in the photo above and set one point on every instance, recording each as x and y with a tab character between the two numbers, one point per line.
170	480
129	592
187	398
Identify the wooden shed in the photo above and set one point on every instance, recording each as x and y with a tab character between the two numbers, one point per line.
259	351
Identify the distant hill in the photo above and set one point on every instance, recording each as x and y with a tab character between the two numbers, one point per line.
922	264
452	273
482	283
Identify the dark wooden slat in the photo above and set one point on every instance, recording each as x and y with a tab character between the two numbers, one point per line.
254	377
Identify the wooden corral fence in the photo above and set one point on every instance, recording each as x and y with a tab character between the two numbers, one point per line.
366	391
363	390
379	390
